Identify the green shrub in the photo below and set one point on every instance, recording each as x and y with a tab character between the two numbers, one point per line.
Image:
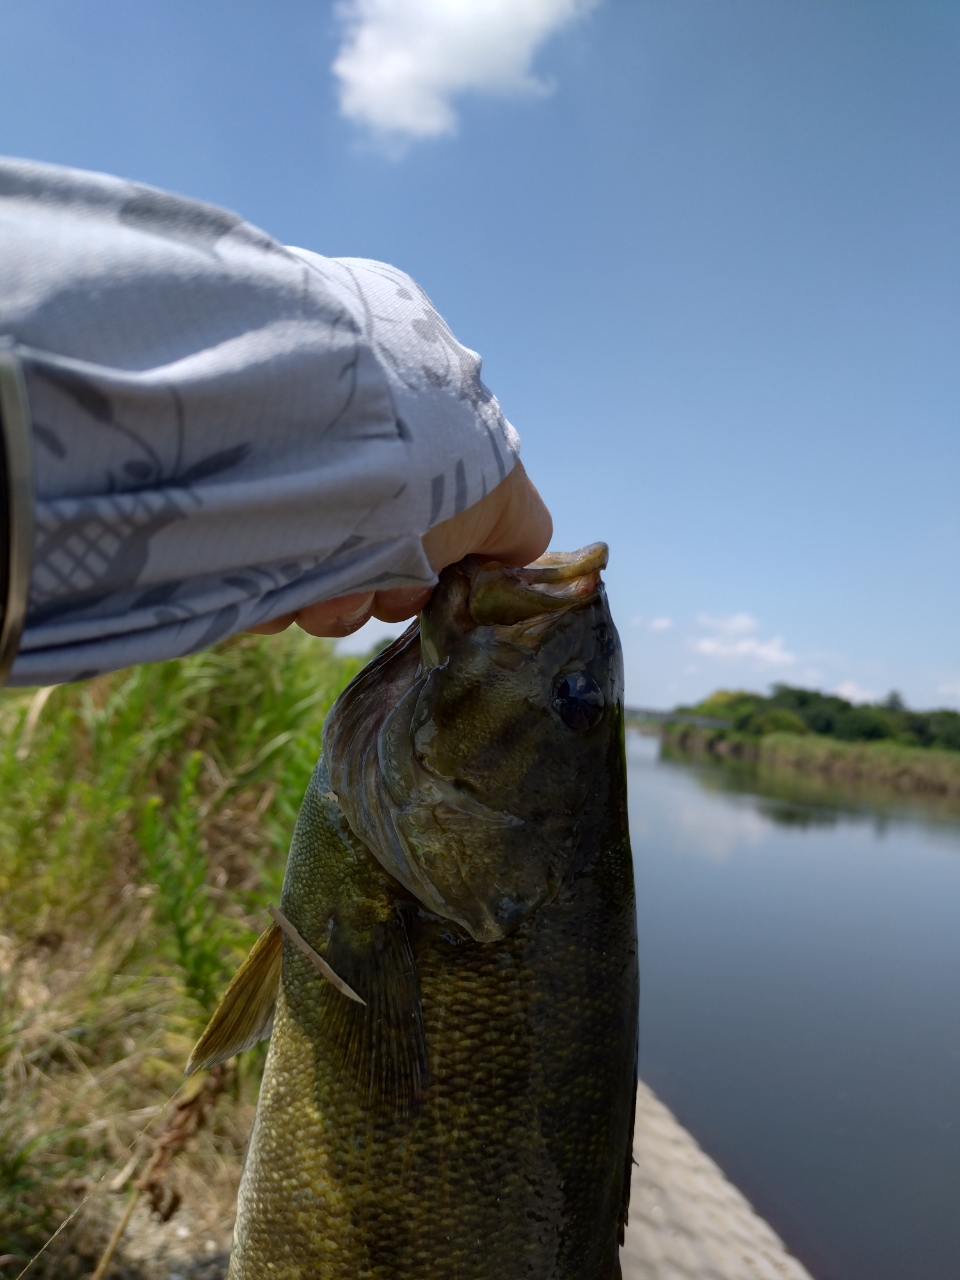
790	709
780	720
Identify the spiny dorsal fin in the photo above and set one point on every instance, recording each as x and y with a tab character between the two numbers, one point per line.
244	1015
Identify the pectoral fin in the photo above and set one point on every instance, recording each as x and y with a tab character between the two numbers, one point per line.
379	1045
244	1015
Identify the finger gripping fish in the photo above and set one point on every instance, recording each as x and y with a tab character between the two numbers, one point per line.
451	979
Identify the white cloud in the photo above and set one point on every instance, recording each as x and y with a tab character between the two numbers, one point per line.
402	61
854	692
951	690
735	637
654	624
736	625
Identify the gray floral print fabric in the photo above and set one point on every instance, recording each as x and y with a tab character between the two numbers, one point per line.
225	429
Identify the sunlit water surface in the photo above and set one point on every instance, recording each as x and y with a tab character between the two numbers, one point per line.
800	1010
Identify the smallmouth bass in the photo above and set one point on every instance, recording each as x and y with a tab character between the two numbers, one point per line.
456	1102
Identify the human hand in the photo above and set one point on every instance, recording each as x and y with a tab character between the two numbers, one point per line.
511	524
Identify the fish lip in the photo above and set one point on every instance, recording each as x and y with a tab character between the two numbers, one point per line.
562	566
558	581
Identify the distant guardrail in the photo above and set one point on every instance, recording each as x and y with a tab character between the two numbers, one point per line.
674	717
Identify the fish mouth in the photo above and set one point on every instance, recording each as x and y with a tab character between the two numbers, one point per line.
519	605
504	596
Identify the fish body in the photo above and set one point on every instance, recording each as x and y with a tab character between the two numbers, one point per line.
462	863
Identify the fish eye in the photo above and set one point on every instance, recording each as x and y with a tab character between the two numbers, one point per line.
578	700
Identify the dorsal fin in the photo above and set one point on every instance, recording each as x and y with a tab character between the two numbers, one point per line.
244	1015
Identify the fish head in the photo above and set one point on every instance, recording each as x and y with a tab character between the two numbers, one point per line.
479	756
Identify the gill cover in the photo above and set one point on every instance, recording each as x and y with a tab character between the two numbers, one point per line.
453	755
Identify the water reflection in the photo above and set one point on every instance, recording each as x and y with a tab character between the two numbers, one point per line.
806	801
801	1006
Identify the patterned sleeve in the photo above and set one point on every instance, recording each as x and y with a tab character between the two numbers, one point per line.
224	429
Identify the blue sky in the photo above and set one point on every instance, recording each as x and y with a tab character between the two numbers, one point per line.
711	258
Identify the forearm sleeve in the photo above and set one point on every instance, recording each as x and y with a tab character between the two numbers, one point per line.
224	429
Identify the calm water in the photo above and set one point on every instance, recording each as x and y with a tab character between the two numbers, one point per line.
801	1011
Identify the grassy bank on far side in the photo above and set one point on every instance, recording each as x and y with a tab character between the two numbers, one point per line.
881	765
144	823
877	766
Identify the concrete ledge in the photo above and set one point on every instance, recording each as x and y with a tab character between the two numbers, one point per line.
687	1222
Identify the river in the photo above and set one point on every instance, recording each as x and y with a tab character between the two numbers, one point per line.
800	1009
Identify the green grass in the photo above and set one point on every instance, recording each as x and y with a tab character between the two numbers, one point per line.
883	766
143	828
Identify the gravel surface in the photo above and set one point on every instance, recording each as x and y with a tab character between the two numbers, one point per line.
687	1222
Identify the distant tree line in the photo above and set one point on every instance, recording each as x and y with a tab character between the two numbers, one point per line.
789	709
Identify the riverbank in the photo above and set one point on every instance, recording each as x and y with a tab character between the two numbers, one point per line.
875	766
144	827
